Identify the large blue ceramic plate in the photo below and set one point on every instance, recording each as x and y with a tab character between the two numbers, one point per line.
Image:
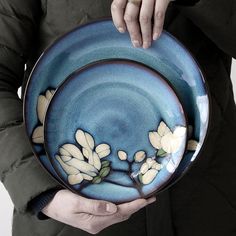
115	131
98	41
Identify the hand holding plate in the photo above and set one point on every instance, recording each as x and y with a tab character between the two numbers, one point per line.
136	16
90	215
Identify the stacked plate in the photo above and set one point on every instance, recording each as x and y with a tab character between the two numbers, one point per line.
113	122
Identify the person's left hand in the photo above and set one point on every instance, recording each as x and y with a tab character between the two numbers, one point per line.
136	16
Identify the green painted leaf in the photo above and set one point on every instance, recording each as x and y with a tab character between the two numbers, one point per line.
161	153
97	180
105	163
104	172
140	176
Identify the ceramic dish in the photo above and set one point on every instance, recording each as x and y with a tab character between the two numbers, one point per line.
100	40
115	130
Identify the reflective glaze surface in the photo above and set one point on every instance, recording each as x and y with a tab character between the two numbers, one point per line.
115	130
100	40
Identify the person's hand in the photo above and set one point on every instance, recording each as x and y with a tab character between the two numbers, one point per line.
136	16
90	215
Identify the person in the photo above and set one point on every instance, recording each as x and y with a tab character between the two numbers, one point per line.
203	202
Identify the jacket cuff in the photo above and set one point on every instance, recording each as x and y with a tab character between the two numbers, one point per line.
37	204
25	178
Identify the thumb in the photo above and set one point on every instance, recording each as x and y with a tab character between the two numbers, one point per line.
96	207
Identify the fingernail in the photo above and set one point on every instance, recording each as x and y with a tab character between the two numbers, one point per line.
136	43
156	36
146	45
111	208
121	30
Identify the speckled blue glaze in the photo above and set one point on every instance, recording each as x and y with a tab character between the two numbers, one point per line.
119	103
101	40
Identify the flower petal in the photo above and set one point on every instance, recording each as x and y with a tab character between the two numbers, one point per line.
149	176
122	155
75	179
49	94
42	108
166	142
87	177
180	131
139	156
144	168
83	167
150	162
178	138
84	139
192	145
90	158
176	144
73	151
38	135
66	158
70	170
63	152
90	140
163	129
96	161
157	166
155	140
103	150
86	153
102	147
104	153
80	138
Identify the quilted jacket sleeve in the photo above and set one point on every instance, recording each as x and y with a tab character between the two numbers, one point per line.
217	19
20	172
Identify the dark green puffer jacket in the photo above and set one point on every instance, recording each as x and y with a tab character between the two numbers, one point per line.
204	201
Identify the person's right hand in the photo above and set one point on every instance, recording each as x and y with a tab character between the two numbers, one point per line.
90	215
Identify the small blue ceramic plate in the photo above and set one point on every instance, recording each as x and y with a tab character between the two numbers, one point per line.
98	41
115	131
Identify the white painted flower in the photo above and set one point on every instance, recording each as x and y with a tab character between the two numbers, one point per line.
42	104
149	170
85	164
164	139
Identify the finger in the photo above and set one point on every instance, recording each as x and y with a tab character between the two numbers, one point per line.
117	12
145	19
94	224
134	206
125	210
159	17
132	23
95	207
